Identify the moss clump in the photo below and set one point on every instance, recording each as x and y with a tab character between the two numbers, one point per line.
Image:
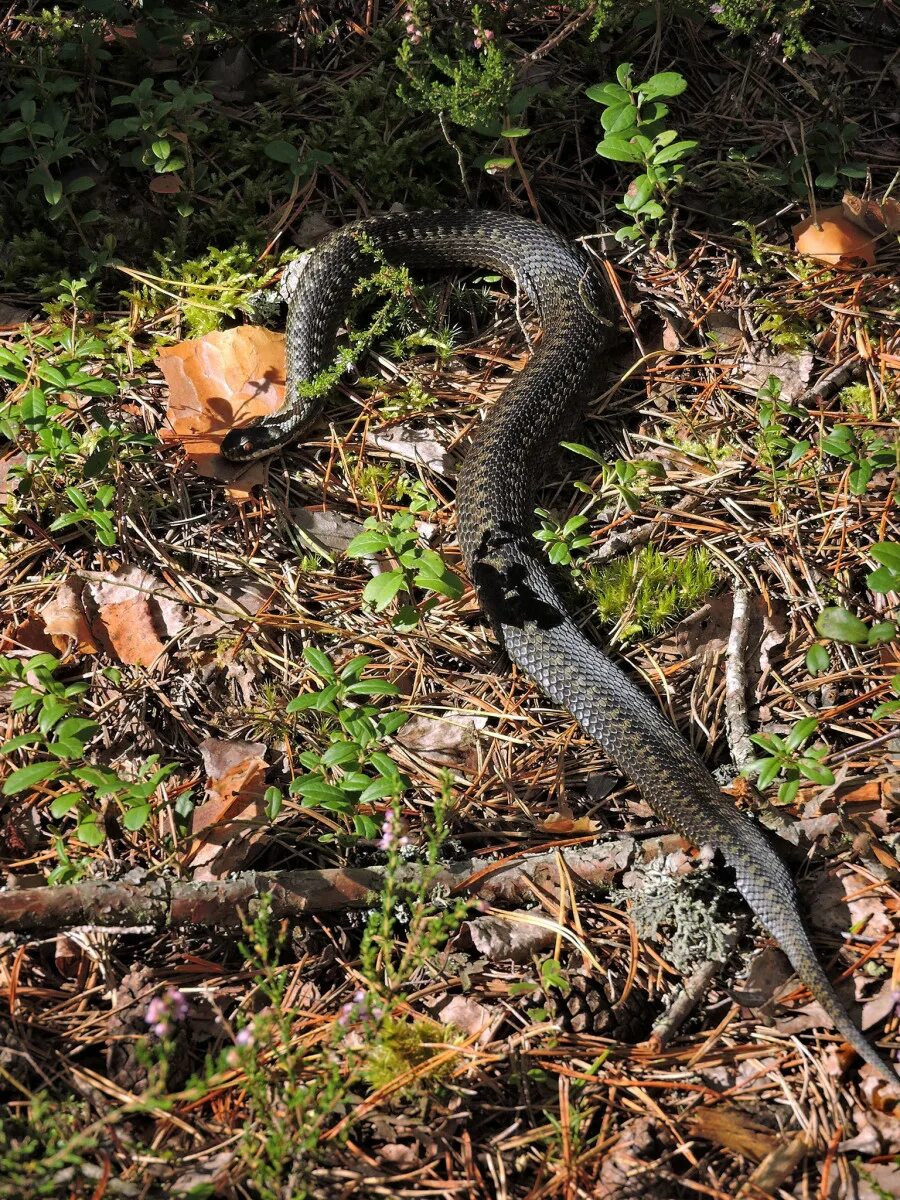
403	1046
644	591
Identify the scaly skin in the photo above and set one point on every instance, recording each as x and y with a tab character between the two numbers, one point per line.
496	499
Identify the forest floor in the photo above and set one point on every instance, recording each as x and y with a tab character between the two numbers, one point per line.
493	972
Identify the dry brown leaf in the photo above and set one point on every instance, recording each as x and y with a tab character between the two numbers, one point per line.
8	486
472	1018
753	369
227	824
65	620
446	740
417	444
568	825
329	529
166	185
735	1130
873	216
499	940
216	382
831	238
131	618
29	636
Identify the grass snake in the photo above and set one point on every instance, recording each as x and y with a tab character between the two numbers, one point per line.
495	515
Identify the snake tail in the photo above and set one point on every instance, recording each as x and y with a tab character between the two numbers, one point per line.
496	498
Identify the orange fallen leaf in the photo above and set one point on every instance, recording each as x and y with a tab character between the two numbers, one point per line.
165	185
831	238
29	635
65	621
229	821
131	619
568	825
216	382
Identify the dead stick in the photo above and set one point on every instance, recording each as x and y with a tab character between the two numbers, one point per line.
165	903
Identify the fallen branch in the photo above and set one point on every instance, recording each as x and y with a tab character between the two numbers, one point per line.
166	903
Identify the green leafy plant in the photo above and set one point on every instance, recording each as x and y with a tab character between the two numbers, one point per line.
352	771
62	446
625	479
564	542
887	708
864	451
60	741
417	568
787	757
886	578
840	625
633	121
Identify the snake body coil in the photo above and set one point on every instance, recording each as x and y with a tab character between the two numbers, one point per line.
495	502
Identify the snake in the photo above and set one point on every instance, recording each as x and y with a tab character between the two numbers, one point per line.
495	500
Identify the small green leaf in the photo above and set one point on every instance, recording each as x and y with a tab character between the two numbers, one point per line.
162	148
381	589
884	631
319	661
839	625
53	191
619	150
787	793
607	93
27	777
89	831
666	83
674	152
62	804
273	800
801	731
815	772
136	817
516	132
768	773
373	687
280	151
620	118
888	554
498	164
315	790
370	541
883	580
818	660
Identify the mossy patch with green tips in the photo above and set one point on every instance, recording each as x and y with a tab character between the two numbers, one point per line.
644	591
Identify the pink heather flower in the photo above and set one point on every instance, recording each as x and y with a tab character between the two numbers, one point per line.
715	9
488	35
244	1036
165	1011
387	831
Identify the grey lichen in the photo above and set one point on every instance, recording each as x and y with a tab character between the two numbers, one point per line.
679	910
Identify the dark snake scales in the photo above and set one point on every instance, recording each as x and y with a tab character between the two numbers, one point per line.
495	506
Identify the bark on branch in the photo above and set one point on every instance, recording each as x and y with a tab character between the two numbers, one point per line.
166	903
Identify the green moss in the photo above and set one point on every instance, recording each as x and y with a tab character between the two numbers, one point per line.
403	1046
646	590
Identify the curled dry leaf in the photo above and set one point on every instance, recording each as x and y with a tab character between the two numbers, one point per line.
831	238
874	216
329	529
503	941
472	1018
446	740
133	615
793	370
731	1127
65	620
216	382
228	823
416	444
